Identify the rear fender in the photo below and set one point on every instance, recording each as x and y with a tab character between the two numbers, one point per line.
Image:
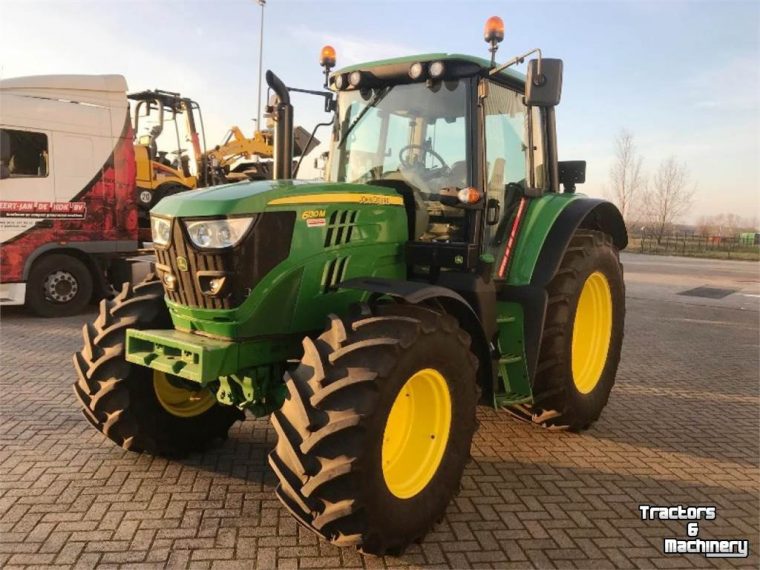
586	213
580	212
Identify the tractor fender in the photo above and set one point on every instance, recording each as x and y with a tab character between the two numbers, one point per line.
588	213
416	293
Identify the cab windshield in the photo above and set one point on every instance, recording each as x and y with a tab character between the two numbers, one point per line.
416	134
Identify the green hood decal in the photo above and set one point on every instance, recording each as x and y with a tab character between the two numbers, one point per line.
254	197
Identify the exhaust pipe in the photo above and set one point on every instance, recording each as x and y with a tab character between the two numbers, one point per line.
282	113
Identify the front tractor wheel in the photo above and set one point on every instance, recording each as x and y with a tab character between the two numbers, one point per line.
583	335
376	429
138	408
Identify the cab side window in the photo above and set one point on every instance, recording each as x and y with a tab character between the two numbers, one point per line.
23	154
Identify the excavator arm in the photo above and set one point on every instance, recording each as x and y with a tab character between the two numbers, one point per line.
236	146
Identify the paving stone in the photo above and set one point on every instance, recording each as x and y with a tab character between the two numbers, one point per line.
681	427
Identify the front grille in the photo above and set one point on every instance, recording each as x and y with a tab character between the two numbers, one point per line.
242	267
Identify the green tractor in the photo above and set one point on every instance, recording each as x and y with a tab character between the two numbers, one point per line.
438	266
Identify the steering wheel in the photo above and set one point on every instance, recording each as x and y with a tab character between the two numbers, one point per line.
407	164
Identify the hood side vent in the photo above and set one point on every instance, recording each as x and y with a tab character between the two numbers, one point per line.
334	273
340	228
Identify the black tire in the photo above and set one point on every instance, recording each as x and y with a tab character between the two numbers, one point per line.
59	285
119	399
331	428
557	401
167	190
158	194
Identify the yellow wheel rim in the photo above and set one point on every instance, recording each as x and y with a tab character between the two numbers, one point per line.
416	433
591	332
178	401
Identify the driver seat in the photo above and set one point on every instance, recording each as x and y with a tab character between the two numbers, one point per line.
417	215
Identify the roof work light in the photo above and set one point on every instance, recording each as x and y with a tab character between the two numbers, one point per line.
327	57
327	60
493	33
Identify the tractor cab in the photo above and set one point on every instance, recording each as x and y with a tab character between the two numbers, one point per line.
445	133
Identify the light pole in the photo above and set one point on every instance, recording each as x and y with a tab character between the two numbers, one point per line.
261	59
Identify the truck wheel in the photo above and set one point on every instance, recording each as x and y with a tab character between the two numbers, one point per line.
136	407
59	286
376	430
583	335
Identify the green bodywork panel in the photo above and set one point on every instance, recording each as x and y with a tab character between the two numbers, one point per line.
515	385
294	297
410	59
541	214
538	221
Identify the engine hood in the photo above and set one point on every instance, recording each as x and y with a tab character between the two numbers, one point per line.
254	197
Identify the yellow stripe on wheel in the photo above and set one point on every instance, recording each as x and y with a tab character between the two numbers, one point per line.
592	330
416	433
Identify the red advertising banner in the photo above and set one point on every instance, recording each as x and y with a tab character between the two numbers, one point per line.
45	210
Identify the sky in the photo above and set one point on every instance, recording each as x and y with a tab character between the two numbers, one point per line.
683	77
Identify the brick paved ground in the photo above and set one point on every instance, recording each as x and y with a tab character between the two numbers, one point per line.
681	427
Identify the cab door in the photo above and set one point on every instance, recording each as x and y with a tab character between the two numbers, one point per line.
512	161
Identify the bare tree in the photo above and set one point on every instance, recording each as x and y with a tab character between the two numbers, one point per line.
627	180
669	197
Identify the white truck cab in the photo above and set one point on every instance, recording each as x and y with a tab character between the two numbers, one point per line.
68	207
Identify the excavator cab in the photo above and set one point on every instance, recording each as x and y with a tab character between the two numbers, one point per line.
164	166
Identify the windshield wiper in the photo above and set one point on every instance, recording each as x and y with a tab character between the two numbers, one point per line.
376	98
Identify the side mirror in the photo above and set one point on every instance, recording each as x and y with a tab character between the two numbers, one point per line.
544	89
572	172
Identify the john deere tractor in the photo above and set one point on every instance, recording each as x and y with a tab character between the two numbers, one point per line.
439	265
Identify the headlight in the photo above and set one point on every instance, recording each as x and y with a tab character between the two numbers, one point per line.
161	230
217	233
415	70
355	78
436	69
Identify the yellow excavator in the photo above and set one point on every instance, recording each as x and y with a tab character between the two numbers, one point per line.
237	148
233	159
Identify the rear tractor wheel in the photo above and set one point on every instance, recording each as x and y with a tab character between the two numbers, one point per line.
376	430
583	335
138	408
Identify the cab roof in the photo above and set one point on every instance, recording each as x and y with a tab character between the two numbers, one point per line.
476	63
